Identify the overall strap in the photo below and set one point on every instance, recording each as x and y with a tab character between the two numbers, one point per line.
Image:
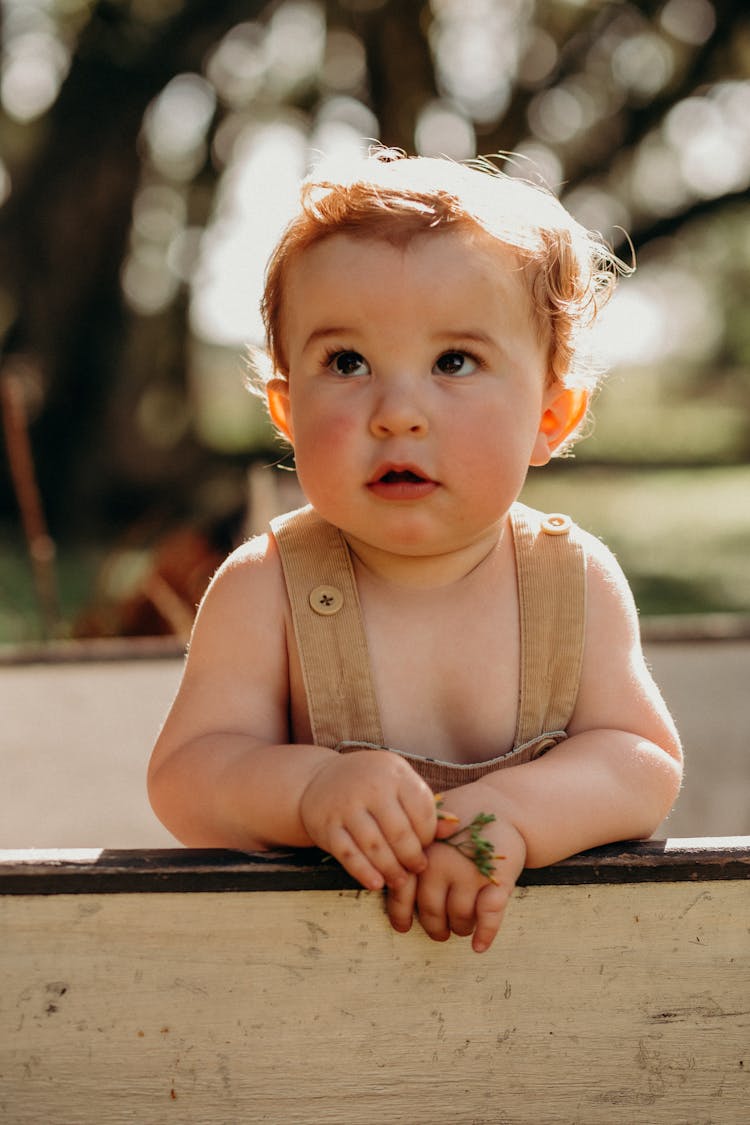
551	567
329	629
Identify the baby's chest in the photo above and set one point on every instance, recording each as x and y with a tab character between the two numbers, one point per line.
447	683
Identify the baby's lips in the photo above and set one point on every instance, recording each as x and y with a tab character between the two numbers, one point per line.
395	472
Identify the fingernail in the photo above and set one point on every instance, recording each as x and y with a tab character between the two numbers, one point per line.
448	816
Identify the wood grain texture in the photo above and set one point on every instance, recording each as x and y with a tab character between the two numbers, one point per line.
599	1003
112	871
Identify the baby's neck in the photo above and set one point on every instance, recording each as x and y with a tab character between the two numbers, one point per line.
424	571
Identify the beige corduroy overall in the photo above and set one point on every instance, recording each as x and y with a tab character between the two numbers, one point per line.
332	644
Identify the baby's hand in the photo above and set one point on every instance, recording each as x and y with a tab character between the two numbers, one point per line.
453	896
372	812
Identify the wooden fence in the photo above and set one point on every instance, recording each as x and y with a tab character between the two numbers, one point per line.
211	987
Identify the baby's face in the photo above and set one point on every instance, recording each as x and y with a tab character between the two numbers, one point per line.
417	385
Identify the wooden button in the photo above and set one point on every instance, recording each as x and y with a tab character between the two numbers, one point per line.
556	524
326	600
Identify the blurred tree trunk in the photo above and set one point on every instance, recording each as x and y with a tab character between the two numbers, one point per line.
402	77
63	232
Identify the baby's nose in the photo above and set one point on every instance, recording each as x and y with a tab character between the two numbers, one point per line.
398	411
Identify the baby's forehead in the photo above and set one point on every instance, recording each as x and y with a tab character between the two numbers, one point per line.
345	266
457	273
466	242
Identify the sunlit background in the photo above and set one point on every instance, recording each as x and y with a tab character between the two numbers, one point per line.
149	153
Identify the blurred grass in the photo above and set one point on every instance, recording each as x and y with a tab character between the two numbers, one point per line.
682	535
20	621
669	416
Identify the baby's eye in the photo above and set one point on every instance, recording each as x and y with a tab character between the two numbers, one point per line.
456	363
348	363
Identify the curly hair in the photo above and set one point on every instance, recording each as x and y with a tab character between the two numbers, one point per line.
569	271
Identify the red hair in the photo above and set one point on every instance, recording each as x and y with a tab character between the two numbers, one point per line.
570	272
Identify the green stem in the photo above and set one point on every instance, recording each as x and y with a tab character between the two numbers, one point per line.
468	840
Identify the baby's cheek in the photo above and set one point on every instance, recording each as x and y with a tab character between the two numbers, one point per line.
332	435
341	430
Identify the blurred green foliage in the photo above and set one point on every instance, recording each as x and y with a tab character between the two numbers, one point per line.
677	563
682	536
147	151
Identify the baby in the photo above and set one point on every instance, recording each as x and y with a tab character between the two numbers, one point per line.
415	630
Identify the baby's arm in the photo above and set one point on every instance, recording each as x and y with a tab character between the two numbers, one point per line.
223	772
614	778
619	772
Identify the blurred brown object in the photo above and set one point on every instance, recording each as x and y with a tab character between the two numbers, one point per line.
19	379
163	598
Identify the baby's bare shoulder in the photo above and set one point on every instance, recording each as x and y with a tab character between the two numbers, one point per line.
254	565
235	678
617	691
245	599
257	552
608	590
612	650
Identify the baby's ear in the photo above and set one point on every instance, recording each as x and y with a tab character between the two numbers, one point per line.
277	396
564	408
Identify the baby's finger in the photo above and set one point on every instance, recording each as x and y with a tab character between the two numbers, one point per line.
418	804
490	910
400	904
369	837
396	827
345	849
461	908
447	824
431	908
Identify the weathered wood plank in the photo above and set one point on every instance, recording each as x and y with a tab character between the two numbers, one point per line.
105	871
611	1003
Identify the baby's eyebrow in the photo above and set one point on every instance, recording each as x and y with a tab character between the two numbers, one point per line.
325	332
465	335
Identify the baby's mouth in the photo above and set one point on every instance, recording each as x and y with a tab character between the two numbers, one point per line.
394	476
401	482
